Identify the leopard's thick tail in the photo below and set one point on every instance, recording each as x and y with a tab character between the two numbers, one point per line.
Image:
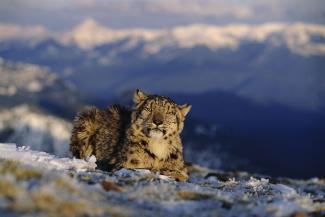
84	129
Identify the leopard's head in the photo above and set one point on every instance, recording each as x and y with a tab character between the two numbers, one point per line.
158	116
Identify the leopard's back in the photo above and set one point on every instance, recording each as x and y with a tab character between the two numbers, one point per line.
100	133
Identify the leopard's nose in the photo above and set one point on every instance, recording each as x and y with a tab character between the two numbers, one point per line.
157	122
157	119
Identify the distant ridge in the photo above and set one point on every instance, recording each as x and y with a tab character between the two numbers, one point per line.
300	38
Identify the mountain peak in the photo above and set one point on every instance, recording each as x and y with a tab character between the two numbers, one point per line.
88	34
88	24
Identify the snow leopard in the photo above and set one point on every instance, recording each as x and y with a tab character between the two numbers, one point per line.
146	136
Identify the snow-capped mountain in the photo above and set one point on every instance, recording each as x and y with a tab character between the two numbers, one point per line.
298	37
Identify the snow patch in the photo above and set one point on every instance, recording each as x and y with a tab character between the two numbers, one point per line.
256	184
44	160
285	190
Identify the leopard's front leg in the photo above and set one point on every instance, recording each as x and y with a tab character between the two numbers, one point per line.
175	167
137	159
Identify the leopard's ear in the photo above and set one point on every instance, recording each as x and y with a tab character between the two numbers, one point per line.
139	96
184	109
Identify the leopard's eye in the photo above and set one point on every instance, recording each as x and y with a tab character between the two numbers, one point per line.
170	112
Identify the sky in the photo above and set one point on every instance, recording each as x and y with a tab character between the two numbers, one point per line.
64	14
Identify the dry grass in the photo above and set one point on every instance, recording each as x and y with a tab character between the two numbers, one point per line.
21	173
64	185
9	190
52	195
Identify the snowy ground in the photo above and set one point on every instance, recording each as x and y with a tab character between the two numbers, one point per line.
38	184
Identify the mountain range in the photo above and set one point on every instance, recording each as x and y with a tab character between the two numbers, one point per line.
269	63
